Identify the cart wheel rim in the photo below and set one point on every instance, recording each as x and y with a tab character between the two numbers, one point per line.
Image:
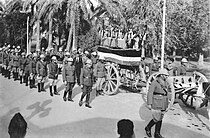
111	83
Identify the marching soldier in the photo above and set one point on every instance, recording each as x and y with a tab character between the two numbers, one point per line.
157	102
21	66
86	79
99	73
68	75
26	68
41	70
53	75
10	65
32	71
15	65
1	59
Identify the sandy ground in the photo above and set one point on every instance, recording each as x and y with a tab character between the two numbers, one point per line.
51	117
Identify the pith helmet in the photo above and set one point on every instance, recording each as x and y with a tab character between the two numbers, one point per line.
163	72
184	60
70	59
42	56
88	61
54	58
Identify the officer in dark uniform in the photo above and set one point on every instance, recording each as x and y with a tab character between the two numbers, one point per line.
53	75
32	71
10	65
68	75
26	68
21	66
41	70
157	101
86	80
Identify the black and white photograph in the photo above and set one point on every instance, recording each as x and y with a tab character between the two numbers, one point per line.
104	68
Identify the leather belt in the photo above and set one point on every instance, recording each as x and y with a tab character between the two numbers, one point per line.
159	94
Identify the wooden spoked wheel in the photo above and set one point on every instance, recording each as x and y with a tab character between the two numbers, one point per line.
112	80
171	93
188	96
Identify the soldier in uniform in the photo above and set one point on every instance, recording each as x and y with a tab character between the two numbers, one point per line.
181	70
26	68
99	73
157	101
86	80
68	75
15	65
53	75
10	65
41	70
32	71
21	66
1	59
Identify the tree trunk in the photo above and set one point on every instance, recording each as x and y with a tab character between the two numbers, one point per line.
69	38
74	39
50	32
38	35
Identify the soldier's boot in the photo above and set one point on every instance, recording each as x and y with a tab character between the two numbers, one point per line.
8	75
39	87
64	95
157	130
51	93
55	90
87	101
15	76
148	128
69	96
33	83
81	99
42	87
30	84
26	79
21	79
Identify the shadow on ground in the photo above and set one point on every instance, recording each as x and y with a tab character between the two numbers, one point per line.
40	109
104	128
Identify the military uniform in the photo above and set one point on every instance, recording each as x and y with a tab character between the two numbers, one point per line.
86	80
21	68
15	66
53	77
99	73
68	75
60	56
41	70
181	70
26	69
32	72
157	98
78	66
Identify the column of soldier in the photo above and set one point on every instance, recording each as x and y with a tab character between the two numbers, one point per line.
83	69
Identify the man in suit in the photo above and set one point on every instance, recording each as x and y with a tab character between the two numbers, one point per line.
78	66
157	101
